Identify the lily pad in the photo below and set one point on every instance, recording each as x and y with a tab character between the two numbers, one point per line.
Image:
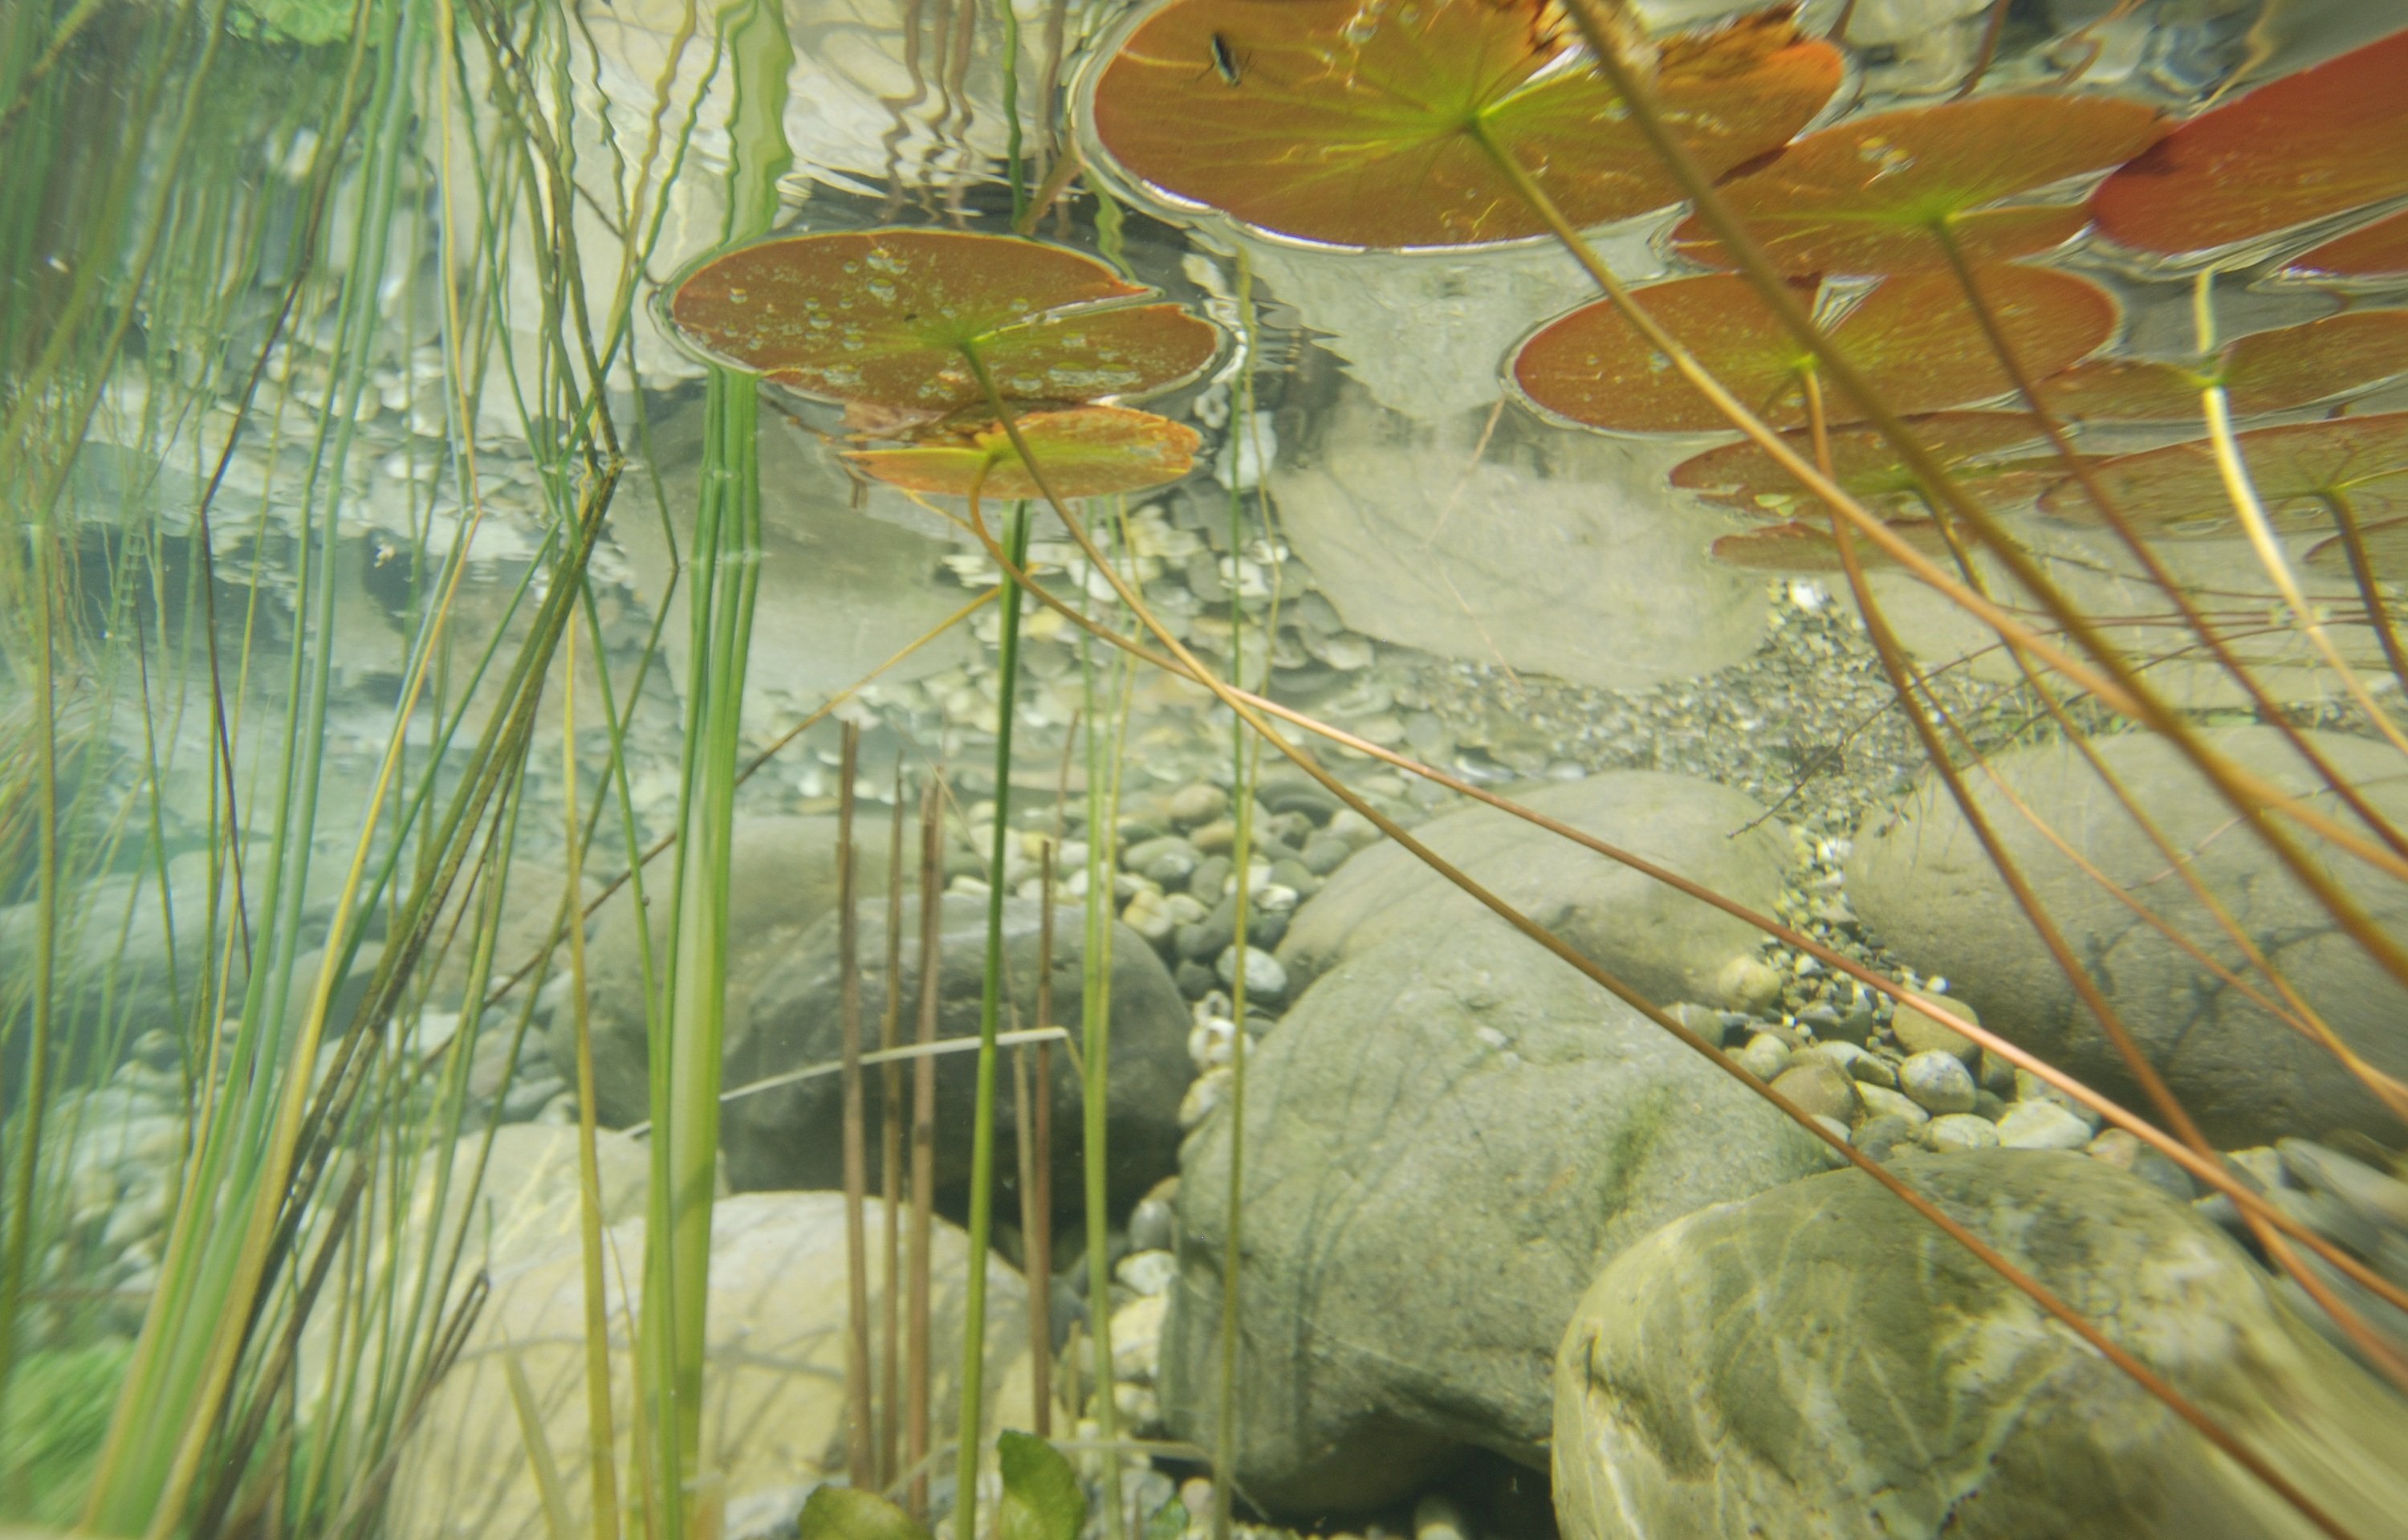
2387	551
1743	476
1868	196
1086	452
2264	371
1809	548
2379	249
1367	124
2176	492
1914	336
2307	146
884	318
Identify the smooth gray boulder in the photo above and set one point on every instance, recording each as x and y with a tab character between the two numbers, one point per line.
791	1135
1671	946
1923	885
1444	1140
782	878
1820	1361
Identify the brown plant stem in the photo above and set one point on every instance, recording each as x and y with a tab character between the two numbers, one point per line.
924	1152
890	1158
1989	1256
860	1427
2361	571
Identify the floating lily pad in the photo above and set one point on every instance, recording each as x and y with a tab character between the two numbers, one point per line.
1914	336
2310	145
1809	548
2177	492
882	318
2379	249
2264	371
1868	468
1867	197
1362	124
2387	551
1086	452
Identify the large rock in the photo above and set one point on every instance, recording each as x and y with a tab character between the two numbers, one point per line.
782	878
790	1136
1924	884
773	1393
1443	1141
1820	1361
1672	947
1553	549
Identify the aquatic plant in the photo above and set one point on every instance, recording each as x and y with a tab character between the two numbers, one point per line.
1089	451
2267	371
2304	474
2377	251
1974	446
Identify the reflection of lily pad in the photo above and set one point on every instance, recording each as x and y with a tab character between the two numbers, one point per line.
1914	336
1868	196
1809	548
2177	491
1865	464
2379	249
1087	451
882	318
2304	146
1362	124
2264	371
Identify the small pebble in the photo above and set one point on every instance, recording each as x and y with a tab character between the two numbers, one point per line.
1149	915
1881	1102
1959	1131
1152	1224
1748	983
1207	1093
1198	803
1878	1137
1265	978
1919	1033
1137	1337
1873	1069
1146	1273
1938	1081
1352	827
1765	1057
1818	1086
2041	1126
2031	1087
1436	1518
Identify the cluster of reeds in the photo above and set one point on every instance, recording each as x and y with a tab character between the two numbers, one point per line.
437	141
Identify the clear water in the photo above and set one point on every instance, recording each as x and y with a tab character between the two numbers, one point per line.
329	335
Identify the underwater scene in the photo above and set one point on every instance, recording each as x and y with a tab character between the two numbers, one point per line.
1152	770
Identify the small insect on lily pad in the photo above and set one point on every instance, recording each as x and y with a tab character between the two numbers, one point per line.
1379	124
2264	371
2374	250
1913	337
889	318
2299	470
1868	466
1085	452
2307	146
1801	547
1873	195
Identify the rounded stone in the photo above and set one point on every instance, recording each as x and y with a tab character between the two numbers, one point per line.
1748	983
1265	978
1959	1131
1881	1102
1938	1081
1818	1088
1199	802
1765	1057
2041	1126
1919	1032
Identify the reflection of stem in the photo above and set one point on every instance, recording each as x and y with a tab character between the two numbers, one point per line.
2353	544
1988	52
1988	1255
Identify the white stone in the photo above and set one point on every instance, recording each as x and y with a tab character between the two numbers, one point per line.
1939	1082
1149	1273
2041	1126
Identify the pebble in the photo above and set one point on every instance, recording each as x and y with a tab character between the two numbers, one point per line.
1219	835
1205	1093
1881	1102
1137	1337
1818	1086
1149	915
1436	1518
1919	1033
1873	1069
1169	860
1198	803
1265	977
1765	1057
2041	1126
1352	827
1938	1081
1960	1131
1152	1224
1879	1136
1748	983
2031	1087
1146	1274
1324	854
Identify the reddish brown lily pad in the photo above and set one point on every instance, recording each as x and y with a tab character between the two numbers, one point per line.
2302	148
1808	547
1360	125
1914	336
2297	470
2379	249
1868	468
1873	195
883	318
1086	452
2264	371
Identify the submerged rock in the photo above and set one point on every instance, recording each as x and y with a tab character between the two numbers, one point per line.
1444	1138
1925	886
773	1396
1820	1361
1669	946
791	1136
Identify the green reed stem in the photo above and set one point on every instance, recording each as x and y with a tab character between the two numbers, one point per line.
1095	1032
965	1453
